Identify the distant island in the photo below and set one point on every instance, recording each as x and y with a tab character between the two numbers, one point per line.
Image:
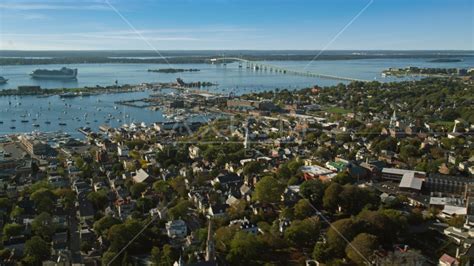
445	60
200	57
173	70
194	84
439	72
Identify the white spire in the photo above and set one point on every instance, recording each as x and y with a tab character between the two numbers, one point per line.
455	124
393	119
246	138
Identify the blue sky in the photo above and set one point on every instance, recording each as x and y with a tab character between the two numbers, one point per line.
236	24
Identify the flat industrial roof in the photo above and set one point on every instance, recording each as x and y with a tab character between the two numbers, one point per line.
400	171
450	209
315	170
410	181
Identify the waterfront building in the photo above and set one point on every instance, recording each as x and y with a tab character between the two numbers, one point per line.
34	146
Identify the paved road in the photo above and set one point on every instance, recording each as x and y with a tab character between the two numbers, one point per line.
74	241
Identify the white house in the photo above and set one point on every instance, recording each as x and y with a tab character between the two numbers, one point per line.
122	150
140	176
176	229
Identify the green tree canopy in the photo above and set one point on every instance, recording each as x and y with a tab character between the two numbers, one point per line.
137	189
224	236
36	250
345	227
303	233
16	212
331	196
361	248
66	197
43	225
180	210
10	230
99	199
379	224
245	249
162	188
343	178
43	199
303	209
268	190
313	190
120	234
353	199
102	226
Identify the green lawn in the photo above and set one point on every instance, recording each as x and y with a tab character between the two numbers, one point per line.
448	124
336	110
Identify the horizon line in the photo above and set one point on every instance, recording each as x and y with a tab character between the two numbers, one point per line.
171	50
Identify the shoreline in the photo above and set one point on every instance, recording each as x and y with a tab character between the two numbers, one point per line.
206	59
91	91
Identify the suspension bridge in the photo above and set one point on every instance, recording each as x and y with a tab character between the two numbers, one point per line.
257	66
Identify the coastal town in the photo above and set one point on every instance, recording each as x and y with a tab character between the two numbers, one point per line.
358	173
236	133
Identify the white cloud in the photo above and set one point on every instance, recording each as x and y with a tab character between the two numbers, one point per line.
93	35
35	16
52	6
177	34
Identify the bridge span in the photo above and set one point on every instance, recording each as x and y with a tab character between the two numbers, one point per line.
257	66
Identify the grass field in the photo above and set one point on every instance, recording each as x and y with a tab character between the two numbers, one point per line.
336	110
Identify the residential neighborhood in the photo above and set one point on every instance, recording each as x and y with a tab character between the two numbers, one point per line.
348	174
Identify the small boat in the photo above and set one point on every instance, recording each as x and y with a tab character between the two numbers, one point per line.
47	122
24	121
12	127
13	120
3	80
62	124
36	125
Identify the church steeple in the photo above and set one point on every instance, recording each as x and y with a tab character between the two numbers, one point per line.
210	249
393	119
455	124
246	141
180	262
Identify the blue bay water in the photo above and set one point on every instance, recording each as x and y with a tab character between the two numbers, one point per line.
95	110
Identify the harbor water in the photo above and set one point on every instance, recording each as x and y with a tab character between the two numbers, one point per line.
67	114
